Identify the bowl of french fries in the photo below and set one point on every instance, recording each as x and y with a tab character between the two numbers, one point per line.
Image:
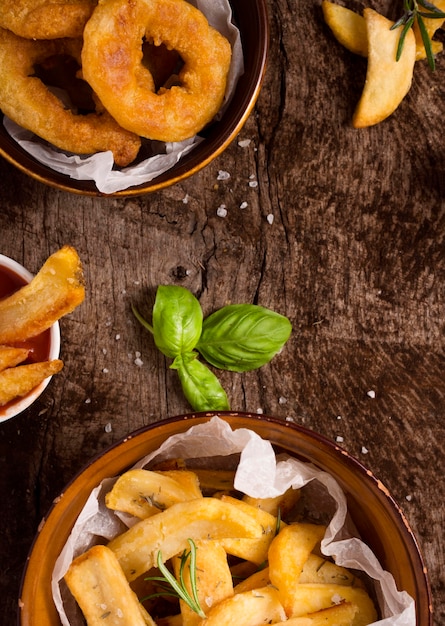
30	309
227	518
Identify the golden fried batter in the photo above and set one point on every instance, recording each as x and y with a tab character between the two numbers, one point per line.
112	65
45	19
26	100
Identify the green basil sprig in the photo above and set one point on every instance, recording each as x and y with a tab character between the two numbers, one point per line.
238	338
242	337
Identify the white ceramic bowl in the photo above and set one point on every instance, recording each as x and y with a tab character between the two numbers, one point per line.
17	275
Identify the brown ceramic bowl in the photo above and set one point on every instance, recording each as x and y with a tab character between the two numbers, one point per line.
252	20
377	517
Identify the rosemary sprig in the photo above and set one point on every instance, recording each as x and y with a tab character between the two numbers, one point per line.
178	588
414	13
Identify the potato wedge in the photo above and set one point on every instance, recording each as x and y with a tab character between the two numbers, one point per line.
213	579
204	518
288	553
319	570
387	80
304	599
253	550
431	25
55	291
100	588
348	27
10	357
16	382
143	493
259	606
339	615
279	505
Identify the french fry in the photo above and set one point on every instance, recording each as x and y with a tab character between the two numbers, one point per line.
16	382
288	553
387	80
279	505
342	614
10	356
214	579
260	606
56	290
143	493
319	570
348	27
431	26
98	583
204	518
304	599
253	550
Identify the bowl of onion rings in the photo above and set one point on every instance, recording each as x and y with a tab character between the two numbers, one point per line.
188	76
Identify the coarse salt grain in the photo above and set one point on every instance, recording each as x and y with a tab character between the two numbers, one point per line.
408	498
244	143
339	439
105	370
221	211
253	183
139	362
108	428
270	218
117	337
88	401
364	450
185	199
282	400
243	205
259	411
371	393
222	175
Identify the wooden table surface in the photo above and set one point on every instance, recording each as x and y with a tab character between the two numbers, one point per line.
342	230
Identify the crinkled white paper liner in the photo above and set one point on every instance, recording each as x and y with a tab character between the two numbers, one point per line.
99	167
259	474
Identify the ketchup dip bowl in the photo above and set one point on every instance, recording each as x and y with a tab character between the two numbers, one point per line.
378	519
45	346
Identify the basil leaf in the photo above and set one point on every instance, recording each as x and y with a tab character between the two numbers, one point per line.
242	337
200	386
177	320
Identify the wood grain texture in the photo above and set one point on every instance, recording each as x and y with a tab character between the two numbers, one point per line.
344	233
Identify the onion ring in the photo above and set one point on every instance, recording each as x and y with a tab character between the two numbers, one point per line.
29	103
45	19
112	64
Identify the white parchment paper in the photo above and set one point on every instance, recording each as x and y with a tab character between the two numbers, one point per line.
99	167
259	474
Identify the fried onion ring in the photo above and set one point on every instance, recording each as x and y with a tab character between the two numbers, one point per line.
45	19
112	62
29	103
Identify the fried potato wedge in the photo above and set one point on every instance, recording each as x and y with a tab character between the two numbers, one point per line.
348	27
279	505
339	615
319	570
204	518
16	382
143	493
253	550
99	586
288	553
10	356
259	606
213	579
56	290
387	80
431	26
304	599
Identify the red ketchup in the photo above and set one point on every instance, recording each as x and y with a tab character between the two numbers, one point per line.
38	345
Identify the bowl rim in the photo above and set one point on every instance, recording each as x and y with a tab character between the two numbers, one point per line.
391	507
20	405
190	164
